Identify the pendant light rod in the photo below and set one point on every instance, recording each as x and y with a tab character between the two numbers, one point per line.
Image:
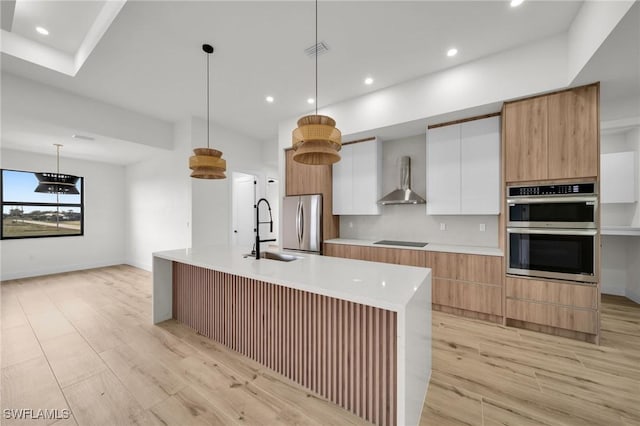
58	145
208	50
316	57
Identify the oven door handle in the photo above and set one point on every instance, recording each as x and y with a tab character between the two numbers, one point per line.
552	231
552	200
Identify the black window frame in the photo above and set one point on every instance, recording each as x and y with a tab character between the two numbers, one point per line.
17	203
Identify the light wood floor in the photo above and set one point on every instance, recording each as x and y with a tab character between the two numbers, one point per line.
84	341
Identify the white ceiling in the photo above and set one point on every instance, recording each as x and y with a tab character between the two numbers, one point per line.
617	63
150	59
68	22
35	136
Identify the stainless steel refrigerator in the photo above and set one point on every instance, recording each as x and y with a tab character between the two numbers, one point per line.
302	219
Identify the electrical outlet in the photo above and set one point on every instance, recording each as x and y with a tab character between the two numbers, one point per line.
443	226
350	224
483	227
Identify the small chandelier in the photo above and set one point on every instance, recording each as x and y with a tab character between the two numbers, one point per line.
207	163
57	183
316	141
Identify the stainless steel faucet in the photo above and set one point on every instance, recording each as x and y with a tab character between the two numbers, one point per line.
258	223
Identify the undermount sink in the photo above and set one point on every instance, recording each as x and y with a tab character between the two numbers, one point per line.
282	257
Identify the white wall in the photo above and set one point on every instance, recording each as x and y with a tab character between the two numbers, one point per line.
103	242
410	222
621	254
211	200
622	214
633	278
158	201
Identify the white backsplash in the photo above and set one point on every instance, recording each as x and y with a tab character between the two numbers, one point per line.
410	222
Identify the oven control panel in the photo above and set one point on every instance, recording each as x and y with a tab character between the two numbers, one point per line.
550	190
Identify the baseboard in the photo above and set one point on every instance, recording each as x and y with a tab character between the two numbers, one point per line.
140	265
633	295
58	269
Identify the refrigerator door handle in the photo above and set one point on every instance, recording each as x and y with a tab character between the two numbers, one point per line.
301	223
298	222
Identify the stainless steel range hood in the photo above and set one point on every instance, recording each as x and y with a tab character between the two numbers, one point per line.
404	194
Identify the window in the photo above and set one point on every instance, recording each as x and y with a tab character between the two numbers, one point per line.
30	214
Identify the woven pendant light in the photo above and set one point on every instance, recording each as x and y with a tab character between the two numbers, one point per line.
316	141
207	163
56	183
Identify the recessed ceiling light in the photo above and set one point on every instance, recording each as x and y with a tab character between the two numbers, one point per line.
269	99
452	52
42	30
310	100
516	3
368	81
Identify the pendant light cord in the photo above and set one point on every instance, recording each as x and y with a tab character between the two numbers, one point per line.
316	57
208	115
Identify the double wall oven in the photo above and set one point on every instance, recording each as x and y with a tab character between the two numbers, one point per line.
552	231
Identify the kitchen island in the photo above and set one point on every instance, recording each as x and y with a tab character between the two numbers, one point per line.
357	333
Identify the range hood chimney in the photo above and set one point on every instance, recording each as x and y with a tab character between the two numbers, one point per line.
404	194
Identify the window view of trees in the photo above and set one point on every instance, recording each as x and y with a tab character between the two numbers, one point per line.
26	213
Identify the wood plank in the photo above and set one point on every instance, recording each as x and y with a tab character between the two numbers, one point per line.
188	407
147	380
560	293
102	400
19	344
50	324
71	358
30	385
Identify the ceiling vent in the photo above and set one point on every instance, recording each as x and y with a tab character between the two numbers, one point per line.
83	137
320	47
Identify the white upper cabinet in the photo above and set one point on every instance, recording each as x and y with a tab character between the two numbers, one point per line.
443	170
357	179
463	168
618	177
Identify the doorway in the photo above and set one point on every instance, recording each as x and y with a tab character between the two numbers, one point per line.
243	202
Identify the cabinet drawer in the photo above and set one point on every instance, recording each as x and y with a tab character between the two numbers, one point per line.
581	296
466	267
469	296
583	320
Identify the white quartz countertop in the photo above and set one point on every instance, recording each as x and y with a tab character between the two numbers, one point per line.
380	285
485	251
620	230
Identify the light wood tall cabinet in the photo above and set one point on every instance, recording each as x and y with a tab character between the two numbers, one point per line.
303	179
574	133
547	140
553	136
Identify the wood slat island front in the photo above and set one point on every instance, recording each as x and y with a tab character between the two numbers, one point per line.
361	348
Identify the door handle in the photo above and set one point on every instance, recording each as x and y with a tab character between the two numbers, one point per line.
298	223
301	222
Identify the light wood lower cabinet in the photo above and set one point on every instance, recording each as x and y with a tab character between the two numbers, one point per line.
470	284
568	318
563	305
469	296
580	296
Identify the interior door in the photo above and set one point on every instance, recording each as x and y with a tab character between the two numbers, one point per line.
244	187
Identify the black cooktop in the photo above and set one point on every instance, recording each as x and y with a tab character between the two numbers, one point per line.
401	243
